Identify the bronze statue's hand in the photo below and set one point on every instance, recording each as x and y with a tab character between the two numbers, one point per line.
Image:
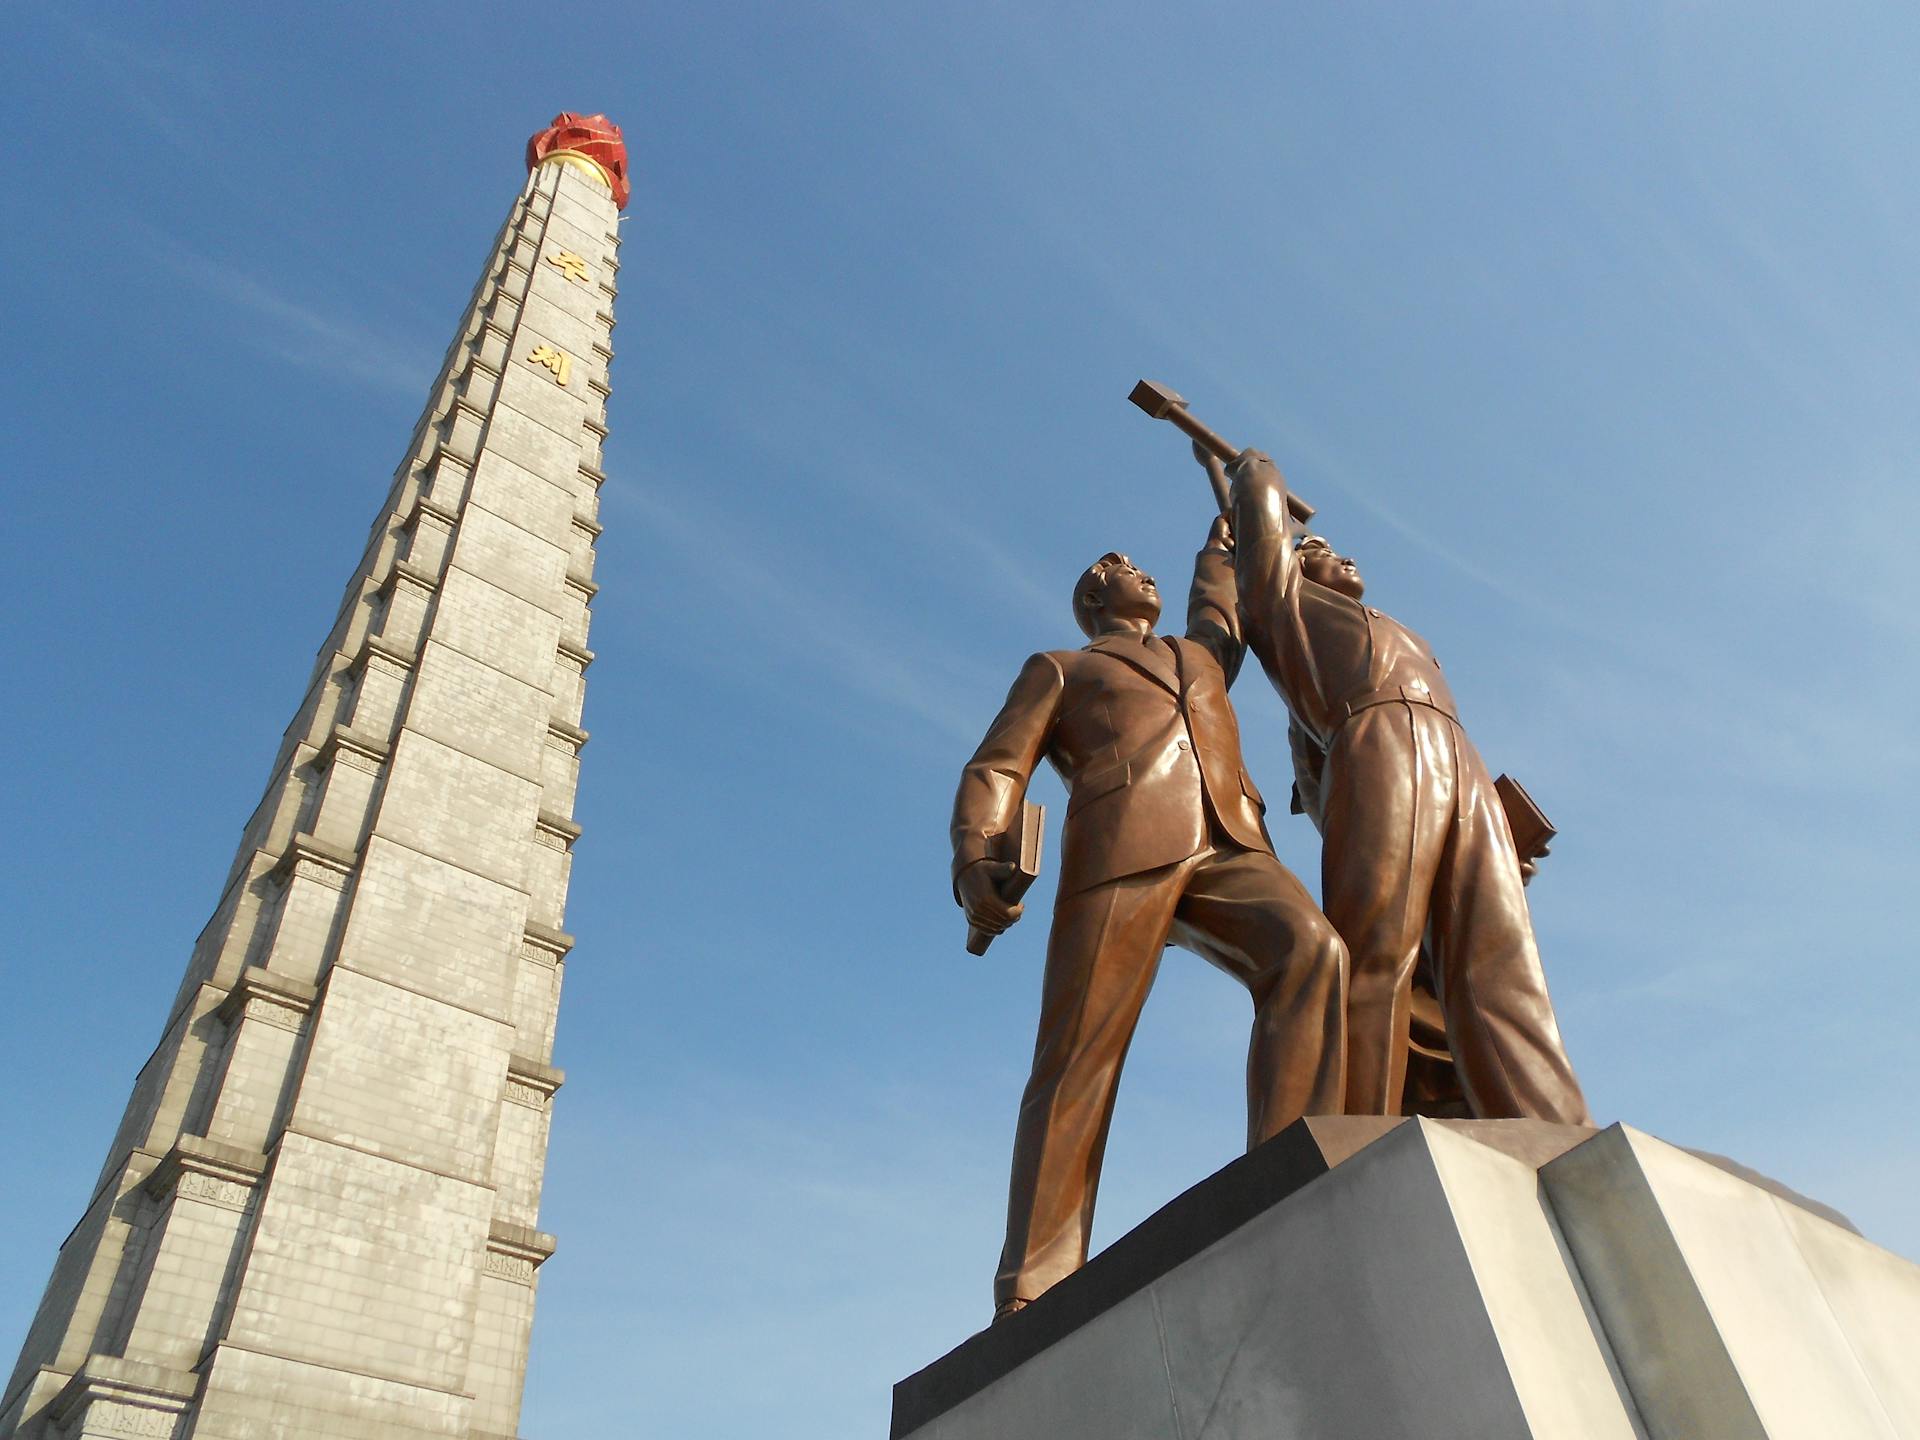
1205	456
1251	462
1531	868
979	885
1220	535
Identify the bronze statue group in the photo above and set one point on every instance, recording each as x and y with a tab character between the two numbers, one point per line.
1418	988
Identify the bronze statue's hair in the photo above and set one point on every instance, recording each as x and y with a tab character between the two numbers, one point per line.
1091	581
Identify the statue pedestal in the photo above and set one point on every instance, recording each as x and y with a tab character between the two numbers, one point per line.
1475	1279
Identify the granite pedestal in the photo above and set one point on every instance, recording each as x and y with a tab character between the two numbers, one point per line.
1474	1279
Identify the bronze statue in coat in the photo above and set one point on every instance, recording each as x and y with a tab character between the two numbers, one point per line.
1416	841
1164	842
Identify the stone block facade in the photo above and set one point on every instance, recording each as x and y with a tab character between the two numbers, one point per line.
320	1214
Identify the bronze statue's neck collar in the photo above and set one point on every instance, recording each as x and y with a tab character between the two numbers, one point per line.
1157	661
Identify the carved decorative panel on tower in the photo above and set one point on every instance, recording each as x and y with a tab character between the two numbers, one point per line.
320	1214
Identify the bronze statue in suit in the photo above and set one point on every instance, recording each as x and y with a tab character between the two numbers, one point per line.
1416	841
1163	843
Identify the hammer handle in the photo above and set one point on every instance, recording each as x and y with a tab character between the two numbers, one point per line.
1213	442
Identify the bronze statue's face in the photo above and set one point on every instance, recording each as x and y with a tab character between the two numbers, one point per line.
1128	592
1337	572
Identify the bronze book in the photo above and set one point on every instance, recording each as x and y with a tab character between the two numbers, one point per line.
1021	845
1532	831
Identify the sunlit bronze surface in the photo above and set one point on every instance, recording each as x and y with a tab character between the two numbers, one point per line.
1416	840
1163	842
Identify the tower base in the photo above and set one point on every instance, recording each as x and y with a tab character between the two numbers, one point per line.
1479	1279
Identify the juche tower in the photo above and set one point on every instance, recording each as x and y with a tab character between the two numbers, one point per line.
320	1215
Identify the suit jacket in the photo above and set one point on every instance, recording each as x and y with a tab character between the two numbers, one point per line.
1145	741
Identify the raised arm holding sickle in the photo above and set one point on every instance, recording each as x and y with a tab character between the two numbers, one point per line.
1417	847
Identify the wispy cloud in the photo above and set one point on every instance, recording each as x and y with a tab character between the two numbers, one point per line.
145	78
1058	216
842	1243
333	342
862	647
178	96
810	358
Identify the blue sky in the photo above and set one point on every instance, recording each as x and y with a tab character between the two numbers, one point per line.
1593	330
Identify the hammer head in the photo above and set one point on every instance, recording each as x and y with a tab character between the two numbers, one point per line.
1155	399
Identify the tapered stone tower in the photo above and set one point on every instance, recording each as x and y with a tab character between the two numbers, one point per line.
320	1215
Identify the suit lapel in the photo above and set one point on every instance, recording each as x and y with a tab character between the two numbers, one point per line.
1148	660
1182	661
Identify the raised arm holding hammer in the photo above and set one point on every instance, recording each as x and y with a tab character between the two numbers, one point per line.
1417	843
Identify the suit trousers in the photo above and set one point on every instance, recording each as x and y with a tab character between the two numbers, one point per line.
1417	843
1240	909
